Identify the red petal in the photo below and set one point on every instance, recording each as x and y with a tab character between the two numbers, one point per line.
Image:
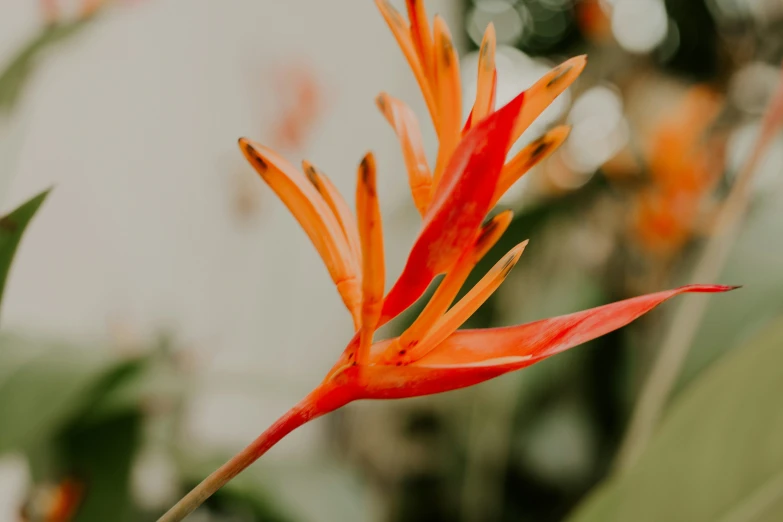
472	356
459	205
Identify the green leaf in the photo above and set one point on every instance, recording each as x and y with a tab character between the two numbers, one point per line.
43	386
101	455
718	455
12	226
755	264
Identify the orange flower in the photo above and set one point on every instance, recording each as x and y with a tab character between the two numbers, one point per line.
683	172
454	197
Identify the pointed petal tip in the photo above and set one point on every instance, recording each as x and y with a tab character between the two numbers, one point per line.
709	289
579	63
253	155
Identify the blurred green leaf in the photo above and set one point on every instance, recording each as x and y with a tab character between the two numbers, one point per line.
101	455
755	264
718	454
43	386
12	226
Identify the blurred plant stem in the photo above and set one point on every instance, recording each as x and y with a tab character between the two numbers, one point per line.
680	335
17	74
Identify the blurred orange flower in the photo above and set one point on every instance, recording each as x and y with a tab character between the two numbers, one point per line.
301	98
683	169
453	198
58	503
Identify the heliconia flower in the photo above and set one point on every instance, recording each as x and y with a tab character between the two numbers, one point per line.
470	174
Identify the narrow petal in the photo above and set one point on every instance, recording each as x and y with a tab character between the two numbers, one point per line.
547	337
469	357
312	213
401	31
485	85
448	95
403	120
459	205
420	33
528	157
493	93
339	207
406	349
544	91
373	272
471	302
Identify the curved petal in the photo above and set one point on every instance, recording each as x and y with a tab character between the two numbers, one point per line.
405	348
339	207
448	96
469	357
545	90
485	85
547	337
312	213
399	382
528	157
465	307
401	117
461	201
401	31
368	213
493	93
420	34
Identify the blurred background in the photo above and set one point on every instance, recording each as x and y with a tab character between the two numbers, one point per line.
164	308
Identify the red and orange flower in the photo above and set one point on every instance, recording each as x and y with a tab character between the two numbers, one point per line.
453	198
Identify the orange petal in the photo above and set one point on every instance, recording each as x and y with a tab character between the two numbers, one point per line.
420	33
528	157
339	207
493	92
312	213
406	349
460	204
471	302
448	95
401	31
373	272
401	117
485	85
469	357
544	91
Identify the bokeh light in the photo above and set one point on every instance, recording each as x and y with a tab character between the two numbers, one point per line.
599	129
639	25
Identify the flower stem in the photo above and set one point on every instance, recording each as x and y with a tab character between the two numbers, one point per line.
292	419
679	337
